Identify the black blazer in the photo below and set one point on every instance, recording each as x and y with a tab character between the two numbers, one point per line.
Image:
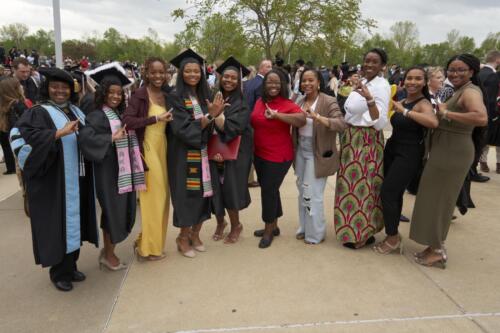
490	81
253	90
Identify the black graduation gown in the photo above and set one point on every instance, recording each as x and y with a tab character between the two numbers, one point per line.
45	189
118	210
184	133
233	192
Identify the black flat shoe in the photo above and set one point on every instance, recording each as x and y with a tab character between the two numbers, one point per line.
9	172
78	276
352	246
403	218
63	285
479	178
260	232
264	243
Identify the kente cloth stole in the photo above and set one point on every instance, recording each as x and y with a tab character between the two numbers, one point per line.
198	167
130	168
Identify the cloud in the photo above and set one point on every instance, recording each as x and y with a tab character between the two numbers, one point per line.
434	18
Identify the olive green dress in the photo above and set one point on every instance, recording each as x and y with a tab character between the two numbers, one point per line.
451	154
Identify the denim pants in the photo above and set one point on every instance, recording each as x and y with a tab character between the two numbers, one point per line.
311	189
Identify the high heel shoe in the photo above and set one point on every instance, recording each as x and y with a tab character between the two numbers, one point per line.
389	248
189	253
441	262
197	246
104	262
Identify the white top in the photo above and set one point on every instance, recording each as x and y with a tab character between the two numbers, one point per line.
307	129
357	113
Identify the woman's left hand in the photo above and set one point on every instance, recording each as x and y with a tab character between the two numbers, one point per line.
311	114
398	107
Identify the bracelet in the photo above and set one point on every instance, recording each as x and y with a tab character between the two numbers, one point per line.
370	101
445	115
156	118
405	112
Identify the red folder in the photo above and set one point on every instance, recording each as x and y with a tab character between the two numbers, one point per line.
228	150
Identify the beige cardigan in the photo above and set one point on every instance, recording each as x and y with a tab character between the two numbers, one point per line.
325	138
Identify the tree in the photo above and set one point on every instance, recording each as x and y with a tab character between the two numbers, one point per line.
278	25
42	41
404	35
221	37
15	32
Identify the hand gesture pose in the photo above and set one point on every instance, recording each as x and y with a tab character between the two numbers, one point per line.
363	91
120	134
311	114
216	107
165	116
270	113
398	107
69	128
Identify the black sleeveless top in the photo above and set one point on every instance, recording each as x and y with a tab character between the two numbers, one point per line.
406	130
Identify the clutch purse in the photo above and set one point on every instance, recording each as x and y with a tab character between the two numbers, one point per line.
228	150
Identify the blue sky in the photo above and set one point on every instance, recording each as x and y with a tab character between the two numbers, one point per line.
79	18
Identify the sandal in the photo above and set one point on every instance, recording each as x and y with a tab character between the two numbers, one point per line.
156	258
379	248
187	251
233	237
219	231
438	262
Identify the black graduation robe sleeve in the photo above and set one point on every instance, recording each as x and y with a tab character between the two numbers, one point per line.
95	138
237	117
185	127
39	132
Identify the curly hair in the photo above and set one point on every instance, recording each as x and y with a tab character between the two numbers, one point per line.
102	92
381	53
147	64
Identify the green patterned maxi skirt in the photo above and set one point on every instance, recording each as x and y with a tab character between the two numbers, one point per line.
358	210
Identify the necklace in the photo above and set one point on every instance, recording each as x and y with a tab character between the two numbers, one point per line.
157	98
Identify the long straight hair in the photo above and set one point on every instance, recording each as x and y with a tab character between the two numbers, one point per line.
182	89
425	89
236	93
10	93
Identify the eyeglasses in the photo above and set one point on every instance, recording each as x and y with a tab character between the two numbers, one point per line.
457	71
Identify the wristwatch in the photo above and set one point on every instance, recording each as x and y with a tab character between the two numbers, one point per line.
209	117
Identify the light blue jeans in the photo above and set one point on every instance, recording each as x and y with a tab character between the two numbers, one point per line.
311	189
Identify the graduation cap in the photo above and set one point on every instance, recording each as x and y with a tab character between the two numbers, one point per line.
352	70
231	62
71	68
188	55
113	69
57	74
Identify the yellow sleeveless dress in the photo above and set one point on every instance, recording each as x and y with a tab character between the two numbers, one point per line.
154	202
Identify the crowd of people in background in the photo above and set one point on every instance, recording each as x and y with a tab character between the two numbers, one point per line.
192	134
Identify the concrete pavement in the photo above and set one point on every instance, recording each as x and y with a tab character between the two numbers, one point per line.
290	287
